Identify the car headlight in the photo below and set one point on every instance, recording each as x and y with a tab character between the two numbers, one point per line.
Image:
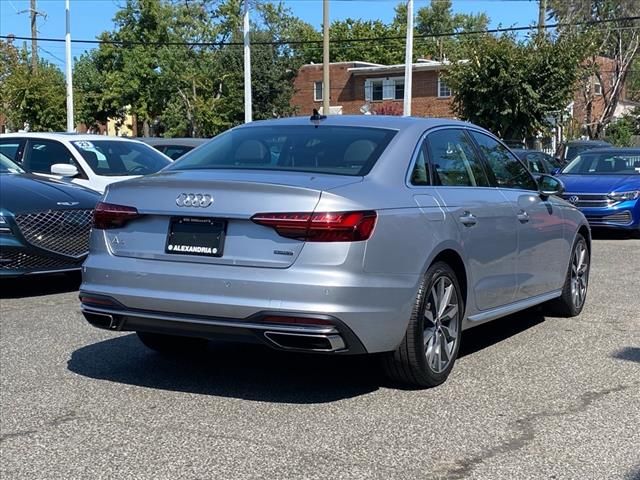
4	226
624	196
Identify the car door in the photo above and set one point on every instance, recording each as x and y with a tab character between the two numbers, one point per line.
538	220
40	154
482	215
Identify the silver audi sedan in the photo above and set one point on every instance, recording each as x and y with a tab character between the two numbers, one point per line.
338	235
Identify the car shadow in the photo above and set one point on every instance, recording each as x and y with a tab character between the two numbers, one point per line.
610	234
38	285
258	373
631	354
492	333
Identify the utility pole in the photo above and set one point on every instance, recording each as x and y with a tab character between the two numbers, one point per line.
248	113
326	100
69	72
408	61
542	14
34	37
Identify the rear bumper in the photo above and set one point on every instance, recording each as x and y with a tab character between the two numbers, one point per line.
369	312
334	337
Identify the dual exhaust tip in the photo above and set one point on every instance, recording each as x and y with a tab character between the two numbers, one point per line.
305	341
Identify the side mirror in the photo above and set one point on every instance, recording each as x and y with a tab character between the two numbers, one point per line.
548	185
64	170
556	171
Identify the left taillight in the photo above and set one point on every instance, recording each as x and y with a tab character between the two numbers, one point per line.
321	226
109	215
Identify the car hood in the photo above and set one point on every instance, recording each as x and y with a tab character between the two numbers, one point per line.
600	183
30	193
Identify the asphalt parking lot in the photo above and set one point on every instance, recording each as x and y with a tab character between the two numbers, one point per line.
530	398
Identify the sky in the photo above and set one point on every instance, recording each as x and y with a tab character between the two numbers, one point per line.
91	17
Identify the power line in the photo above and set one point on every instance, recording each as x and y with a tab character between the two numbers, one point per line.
337	41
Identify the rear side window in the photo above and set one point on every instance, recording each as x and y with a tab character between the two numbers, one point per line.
454	160
9	148
322	149
507	169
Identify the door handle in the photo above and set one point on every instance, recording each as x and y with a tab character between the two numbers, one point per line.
468	219
523	217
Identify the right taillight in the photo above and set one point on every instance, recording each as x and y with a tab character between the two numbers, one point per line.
109	215
321	226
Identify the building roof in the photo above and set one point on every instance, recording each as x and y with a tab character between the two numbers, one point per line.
420	66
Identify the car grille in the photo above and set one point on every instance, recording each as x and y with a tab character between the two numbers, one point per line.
65	232
19	260
588	199
621	218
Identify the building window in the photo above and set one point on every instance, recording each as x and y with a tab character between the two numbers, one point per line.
597	87
443	88
317	91
399	90
376	90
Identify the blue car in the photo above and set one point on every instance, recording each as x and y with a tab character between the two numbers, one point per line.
604	184
44	223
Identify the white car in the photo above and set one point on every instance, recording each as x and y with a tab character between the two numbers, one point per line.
93	161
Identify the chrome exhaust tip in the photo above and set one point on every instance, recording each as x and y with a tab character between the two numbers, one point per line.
102	320
306	342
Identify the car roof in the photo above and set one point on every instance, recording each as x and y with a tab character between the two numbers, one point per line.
66	136
614	150
377	121
587	142
191	142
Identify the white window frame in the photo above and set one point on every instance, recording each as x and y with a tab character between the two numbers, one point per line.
388	88
441	84
315	91
597	86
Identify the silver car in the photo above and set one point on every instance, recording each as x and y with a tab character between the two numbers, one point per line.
340	235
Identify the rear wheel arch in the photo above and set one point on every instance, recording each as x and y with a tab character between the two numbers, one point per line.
454	260
584	231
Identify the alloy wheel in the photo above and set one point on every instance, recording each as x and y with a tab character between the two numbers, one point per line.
579	274
441	324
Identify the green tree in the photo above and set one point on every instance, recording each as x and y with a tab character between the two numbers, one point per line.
37	98
510	86
618	38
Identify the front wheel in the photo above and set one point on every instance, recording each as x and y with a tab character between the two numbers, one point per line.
574	291
426	355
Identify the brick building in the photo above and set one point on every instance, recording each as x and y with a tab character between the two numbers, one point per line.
357	87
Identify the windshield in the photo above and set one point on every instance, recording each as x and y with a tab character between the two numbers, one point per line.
297	148
120	158
605	163
7	166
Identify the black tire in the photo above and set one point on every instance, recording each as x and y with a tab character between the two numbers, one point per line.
171	344
568	304
409	364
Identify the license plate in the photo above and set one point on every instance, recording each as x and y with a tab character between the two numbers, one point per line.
196	236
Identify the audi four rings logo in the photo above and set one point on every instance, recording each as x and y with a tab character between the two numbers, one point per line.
198	200
574	199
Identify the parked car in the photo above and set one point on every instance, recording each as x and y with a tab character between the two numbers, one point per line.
604	184
44	223
92	161
339	235
173	148
538	162
571	149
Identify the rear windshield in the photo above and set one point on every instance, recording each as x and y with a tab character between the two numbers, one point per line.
120	158
609	163
299	148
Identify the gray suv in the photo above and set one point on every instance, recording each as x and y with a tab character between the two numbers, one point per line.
339	235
